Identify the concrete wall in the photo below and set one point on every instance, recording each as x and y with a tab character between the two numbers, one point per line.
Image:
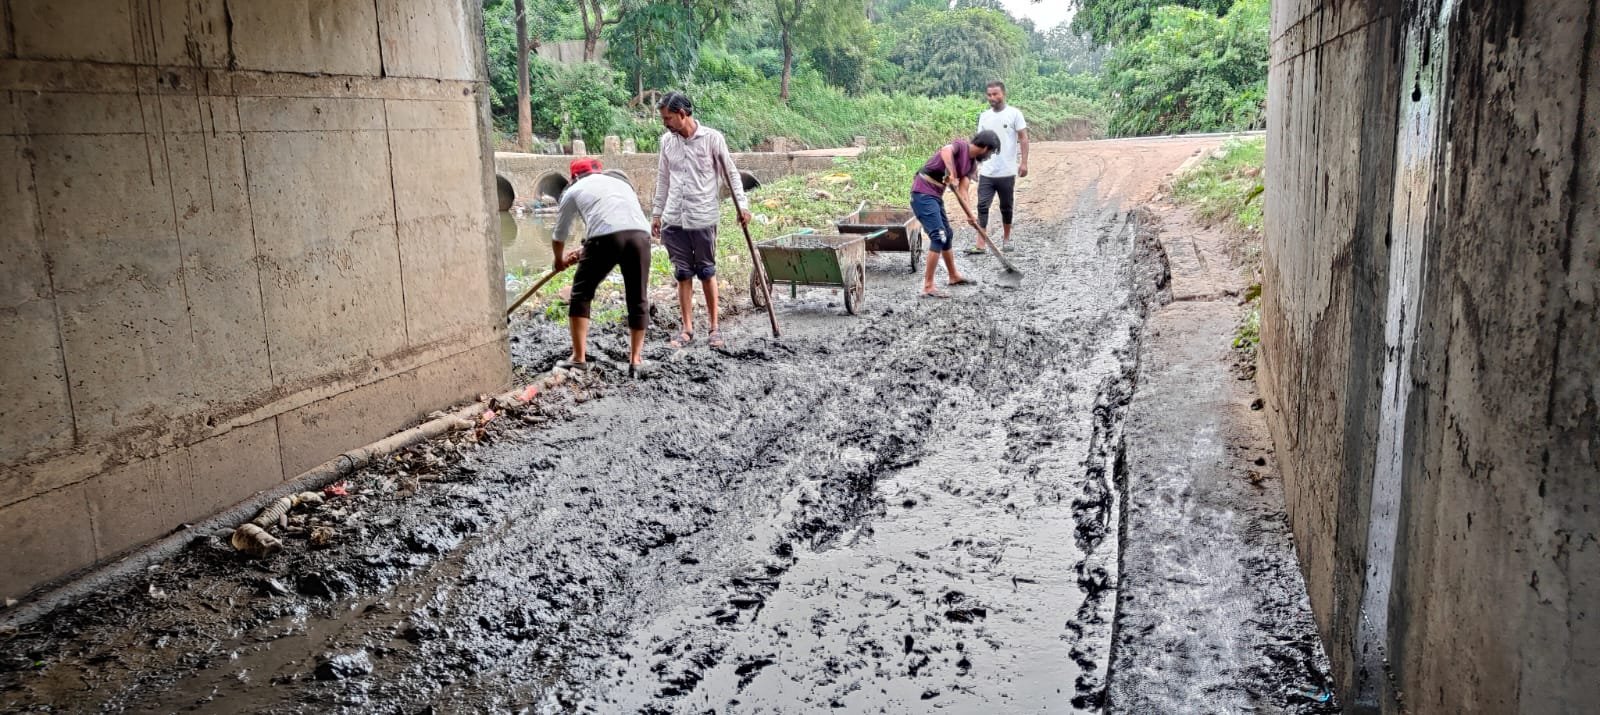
1431	344
570	52
527	172
238	238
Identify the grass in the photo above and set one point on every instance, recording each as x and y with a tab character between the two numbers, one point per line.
1227	187
819	115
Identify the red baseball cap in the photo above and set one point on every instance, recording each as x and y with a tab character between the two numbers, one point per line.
586	165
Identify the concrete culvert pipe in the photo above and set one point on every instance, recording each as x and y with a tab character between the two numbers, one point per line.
506	193
550	187
747	181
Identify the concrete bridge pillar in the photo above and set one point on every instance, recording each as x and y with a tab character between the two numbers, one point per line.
1430	344
238	239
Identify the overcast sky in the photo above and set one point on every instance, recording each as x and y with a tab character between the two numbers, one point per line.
1045	13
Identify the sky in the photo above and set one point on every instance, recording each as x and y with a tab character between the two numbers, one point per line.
1045	13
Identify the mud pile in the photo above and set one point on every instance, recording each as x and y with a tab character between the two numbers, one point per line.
908	509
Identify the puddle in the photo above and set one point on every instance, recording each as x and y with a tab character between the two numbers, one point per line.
525	247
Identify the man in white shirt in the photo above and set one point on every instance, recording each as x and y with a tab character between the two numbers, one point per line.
617	235
693	162
999	174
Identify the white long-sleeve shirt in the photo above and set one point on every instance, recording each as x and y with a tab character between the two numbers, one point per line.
688	189
607	204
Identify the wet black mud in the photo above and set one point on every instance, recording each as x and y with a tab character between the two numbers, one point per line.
909	510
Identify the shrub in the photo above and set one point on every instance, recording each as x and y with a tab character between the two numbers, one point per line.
1193	71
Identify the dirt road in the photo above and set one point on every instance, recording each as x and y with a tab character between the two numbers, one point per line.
908	510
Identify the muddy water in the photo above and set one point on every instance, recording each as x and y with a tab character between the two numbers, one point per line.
903	511
525	241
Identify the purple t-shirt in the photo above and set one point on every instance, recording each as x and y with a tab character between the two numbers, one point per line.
961	151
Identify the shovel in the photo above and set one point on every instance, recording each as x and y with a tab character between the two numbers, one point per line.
1011	277
536	286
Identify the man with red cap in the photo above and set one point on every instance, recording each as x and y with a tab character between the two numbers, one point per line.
618	235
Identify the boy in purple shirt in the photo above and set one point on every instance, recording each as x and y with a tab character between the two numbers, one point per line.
953	165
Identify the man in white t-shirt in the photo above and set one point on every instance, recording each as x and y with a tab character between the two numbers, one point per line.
999	174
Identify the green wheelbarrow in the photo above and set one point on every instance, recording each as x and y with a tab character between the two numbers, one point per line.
814	259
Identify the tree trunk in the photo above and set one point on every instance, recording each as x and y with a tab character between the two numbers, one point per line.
638	68
594	20
524	100
788	64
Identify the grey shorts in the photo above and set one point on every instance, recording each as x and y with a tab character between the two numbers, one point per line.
693	251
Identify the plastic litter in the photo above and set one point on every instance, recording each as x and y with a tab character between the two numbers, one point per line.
255	542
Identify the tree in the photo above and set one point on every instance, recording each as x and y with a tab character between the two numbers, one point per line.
803	24
594	23
584	99
524	108
1193	71
657	42
546	19
1070	50
880	10
957	52
1114	22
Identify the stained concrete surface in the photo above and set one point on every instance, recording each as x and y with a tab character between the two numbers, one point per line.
1212	614
1429	344
260	229
914	509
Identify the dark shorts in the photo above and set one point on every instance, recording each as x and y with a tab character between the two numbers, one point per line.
631	251
693	251
991	186
935	224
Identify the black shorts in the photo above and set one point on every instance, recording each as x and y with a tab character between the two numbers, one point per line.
988	187
631	251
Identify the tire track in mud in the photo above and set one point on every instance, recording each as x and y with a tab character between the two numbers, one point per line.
908	510
1031	382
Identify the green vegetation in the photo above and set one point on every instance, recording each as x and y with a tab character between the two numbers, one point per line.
1109	22
1248	335
820	72
817	72
1193	71
1227	187
903	73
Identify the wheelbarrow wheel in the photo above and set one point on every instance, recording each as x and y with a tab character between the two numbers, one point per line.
855	291
757	296
914	241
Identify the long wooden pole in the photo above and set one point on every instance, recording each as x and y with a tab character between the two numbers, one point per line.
536	286
755	260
